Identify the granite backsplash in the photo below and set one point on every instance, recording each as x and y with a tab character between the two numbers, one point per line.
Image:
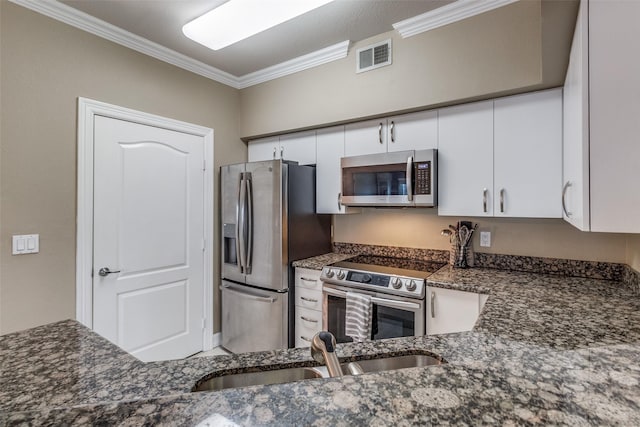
562	267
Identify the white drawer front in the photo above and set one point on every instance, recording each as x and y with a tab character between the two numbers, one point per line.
308	323
309	298
307	278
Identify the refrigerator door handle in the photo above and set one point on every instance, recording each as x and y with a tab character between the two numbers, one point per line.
249	237
240	230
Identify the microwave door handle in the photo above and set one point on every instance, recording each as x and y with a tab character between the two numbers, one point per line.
240	218
409	179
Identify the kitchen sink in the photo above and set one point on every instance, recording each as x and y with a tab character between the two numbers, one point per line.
245	379
287	375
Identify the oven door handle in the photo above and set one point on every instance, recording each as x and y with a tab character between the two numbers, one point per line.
401	305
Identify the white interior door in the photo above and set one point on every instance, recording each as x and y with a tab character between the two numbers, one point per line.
149	232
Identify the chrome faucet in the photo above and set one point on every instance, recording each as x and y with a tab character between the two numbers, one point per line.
323	347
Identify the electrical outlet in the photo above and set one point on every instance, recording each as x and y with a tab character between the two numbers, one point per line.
485	239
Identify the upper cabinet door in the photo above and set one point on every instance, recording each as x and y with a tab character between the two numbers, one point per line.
575	170
614	109
465	160
330	148
415	131
368	137
263	149
299	147
528	155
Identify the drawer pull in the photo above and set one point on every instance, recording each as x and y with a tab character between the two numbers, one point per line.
306	319
309	299
305	338
306	279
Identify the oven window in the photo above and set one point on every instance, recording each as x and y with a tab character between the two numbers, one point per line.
387	322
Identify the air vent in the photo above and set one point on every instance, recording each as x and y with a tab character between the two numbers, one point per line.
374	56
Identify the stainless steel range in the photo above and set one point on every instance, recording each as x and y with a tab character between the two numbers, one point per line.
396	287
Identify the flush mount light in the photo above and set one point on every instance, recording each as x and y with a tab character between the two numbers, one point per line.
237	20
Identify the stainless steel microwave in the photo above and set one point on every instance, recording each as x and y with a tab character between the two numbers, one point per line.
402	178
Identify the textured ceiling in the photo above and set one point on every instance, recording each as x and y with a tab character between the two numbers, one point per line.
161	21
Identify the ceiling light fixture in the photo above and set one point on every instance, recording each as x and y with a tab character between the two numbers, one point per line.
237	20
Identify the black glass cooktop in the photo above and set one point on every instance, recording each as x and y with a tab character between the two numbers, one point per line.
387	265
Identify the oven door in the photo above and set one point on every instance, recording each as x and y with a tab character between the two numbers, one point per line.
393	316
378	179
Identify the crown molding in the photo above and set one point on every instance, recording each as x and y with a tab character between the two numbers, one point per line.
445	15
304	62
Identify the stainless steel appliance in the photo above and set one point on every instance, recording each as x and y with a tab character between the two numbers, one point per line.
403	178
396	287
268	221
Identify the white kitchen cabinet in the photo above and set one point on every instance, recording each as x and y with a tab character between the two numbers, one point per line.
502	158
465	159
329	150
368	137
451	311
415	131
299	147
263	149
601	110
527	155
308	306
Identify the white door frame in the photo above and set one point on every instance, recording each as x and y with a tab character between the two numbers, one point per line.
87	110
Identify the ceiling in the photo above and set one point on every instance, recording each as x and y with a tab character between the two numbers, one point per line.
161	21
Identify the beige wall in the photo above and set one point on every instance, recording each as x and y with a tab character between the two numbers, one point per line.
420	228
45	66
491	53
633	251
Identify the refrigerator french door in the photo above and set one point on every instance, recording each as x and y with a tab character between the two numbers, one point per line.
268	221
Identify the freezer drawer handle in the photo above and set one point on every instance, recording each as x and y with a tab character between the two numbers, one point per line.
269	300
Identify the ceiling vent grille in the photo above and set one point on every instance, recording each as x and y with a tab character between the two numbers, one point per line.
374	56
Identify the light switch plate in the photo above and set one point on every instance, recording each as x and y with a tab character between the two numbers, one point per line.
26	244
485	239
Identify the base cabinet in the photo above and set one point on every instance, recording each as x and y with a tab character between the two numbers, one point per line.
308	315
451	311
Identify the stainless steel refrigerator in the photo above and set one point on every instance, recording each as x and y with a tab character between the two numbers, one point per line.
268	221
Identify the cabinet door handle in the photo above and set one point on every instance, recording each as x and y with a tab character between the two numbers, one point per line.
309	299
564	203
306	319
282	153
484	200
339	201
274	152
502	200
393	132
380	132
433	304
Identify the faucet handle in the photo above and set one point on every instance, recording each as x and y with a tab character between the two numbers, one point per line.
328	339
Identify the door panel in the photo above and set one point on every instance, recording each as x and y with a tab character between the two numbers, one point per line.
267	255
148	230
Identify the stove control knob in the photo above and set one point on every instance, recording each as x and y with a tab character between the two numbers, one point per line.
341	275
396	283
366	278
412	285
329	273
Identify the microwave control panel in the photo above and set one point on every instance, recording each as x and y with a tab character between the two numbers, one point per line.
422	173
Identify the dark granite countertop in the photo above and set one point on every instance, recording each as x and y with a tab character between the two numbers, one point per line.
545	350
